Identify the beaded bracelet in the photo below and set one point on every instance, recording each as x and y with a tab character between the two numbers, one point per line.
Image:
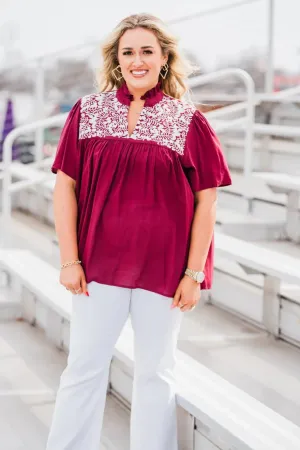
70	263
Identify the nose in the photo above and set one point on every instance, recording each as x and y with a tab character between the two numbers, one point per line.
137	62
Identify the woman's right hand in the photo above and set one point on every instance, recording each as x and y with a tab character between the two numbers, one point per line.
73	279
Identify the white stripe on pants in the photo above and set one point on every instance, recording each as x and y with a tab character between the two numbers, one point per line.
96	324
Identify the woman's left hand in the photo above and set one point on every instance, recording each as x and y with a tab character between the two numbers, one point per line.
187	294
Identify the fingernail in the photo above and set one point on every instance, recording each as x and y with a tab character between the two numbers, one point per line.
87	294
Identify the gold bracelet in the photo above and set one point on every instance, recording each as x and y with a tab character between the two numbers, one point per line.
70	263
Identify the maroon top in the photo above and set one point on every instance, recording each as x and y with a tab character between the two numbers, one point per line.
135	193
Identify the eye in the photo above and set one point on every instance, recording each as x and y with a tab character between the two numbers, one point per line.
148	52
128	52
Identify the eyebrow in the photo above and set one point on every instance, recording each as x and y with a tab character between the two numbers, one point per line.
144	47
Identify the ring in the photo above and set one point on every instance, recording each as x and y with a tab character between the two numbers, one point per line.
193	307
77	290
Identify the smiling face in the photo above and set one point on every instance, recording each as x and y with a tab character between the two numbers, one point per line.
140	57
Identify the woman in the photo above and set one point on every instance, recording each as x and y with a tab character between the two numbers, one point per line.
134	202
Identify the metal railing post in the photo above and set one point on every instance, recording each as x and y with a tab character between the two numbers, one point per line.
249	105
7	157
39	108
269	76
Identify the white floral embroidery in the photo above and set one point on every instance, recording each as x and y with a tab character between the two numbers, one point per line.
166	123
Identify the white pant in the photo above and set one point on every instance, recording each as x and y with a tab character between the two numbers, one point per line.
96	324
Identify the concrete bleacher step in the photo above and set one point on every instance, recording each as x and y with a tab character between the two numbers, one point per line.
30	370
244	299
213	413
34	234
265	222
244	271
247	226
28	232
264	203
238	224
34	198
37	201
268	154
10	307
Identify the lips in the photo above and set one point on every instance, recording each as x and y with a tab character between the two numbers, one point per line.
139	73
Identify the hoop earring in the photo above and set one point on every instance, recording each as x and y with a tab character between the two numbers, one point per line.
117	69
165	68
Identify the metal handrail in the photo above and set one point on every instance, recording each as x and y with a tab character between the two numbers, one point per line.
249	106
7	157
226	110
232	124
263	129
280	95
285	96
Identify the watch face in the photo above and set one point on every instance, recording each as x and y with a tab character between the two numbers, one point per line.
200	277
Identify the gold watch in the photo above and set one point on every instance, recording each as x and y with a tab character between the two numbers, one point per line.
196	276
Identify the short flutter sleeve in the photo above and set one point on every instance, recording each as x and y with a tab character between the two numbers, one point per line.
203	161
67	153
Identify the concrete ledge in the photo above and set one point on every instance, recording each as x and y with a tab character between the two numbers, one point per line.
38	199
213	414
225	417
249	227
10	308
43	300
268	154
255	194
239	261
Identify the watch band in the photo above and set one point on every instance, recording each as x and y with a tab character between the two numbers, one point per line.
195	275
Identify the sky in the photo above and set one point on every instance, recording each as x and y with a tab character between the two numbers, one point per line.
43	26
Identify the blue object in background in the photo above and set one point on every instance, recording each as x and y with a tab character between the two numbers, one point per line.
64	107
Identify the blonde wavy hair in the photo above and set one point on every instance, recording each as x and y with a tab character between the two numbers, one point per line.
179	68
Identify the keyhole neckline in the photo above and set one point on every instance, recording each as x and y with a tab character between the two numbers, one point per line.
136	127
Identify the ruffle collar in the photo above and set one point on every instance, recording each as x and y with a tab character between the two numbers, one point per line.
151	97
